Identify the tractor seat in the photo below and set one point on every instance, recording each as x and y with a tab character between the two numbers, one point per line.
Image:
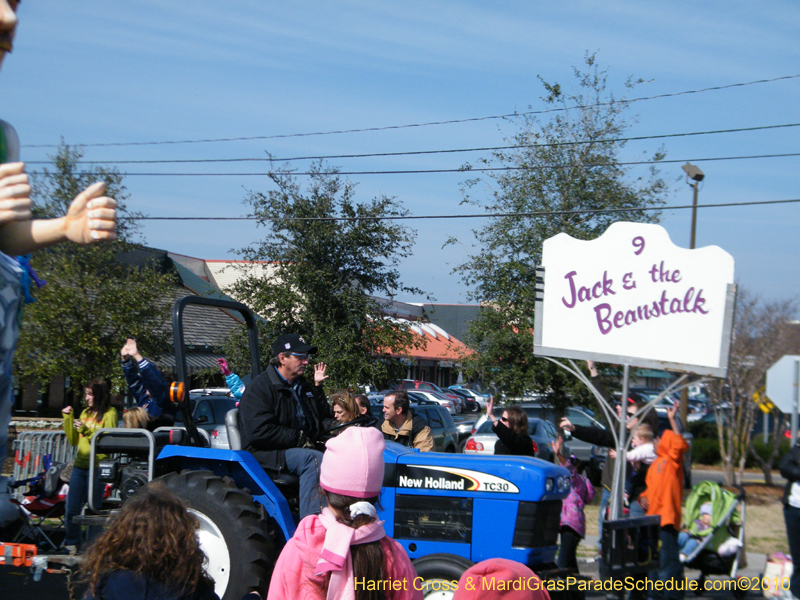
279	478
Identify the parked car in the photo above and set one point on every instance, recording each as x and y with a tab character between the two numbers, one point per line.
420	394
481	399
542	432
448	403
209	407
445	433
464	424
694	406
470	403
426	386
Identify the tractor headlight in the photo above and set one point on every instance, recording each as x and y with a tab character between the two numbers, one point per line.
549	484
563	484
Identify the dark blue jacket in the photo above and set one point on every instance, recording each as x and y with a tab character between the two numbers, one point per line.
127	585
146	378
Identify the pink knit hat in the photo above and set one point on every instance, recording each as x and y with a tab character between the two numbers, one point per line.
353	463
500	579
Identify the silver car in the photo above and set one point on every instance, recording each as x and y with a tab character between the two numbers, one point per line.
209	408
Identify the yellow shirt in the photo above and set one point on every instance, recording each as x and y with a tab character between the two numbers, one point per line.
83	438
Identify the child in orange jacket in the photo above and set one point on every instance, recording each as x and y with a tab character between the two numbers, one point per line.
664	497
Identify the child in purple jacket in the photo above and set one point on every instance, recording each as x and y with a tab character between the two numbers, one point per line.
573	519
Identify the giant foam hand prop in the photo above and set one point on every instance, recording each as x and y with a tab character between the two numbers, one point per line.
15	191
91	217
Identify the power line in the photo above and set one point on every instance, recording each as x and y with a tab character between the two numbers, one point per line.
410	125
459	170
469	216
424	152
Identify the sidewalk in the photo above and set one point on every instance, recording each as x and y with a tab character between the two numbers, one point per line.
755	562
754	569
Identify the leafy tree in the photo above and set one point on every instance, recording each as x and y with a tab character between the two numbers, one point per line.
559	170
760	337
328	255
93	301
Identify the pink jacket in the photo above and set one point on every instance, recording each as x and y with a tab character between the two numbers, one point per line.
582	492
294	576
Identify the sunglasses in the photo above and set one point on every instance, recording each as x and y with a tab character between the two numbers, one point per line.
504	419
300	356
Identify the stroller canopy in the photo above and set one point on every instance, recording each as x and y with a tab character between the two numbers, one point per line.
723	512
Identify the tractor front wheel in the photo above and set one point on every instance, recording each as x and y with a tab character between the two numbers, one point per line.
440	574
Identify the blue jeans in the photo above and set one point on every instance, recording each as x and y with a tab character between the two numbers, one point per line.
687	543
636	510
305	463
568	549
791	516
670	566
76	497
604	500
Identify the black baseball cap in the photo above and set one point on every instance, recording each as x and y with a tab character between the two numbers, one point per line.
291	343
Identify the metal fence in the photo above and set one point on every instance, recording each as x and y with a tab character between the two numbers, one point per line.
34	449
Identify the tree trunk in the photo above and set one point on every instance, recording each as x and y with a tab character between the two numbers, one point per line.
727	470
740	470
766	467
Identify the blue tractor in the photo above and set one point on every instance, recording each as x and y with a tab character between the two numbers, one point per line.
448	511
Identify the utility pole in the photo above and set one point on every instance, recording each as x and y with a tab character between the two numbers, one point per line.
696	175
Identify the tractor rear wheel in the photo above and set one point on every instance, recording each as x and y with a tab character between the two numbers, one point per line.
232	531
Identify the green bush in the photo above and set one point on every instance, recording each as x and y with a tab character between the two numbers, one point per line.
703	429
705	448
763	449
705	451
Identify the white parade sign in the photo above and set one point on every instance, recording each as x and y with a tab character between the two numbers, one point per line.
631	296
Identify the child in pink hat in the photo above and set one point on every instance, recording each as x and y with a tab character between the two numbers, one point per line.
342	552
500	579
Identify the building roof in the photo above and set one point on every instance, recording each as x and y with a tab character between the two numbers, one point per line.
437	344
205	331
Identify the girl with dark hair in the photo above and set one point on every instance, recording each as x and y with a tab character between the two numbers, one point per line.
150	550
512	430
98	414
333	554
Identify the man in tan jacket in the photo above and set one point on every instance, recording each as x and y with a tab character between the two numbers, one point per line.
402	426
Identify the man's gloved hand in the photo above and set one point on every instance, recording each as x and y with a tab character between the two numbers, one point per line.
303	441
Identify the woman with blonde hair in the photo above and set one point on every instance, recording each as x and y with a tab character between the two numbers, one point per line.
135	418
139	418
150	550
345	408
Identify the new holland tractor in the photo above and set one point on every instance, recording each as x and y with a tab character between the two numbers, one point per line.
447	510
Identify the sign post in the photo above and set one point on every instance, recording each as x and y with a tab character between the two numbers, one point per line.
783	387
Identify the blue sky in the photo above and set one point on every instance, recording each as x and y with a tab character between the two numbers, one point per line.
107	72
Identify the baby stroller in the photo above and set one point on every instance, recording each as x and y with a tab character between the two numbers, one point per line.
44	501
721	549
